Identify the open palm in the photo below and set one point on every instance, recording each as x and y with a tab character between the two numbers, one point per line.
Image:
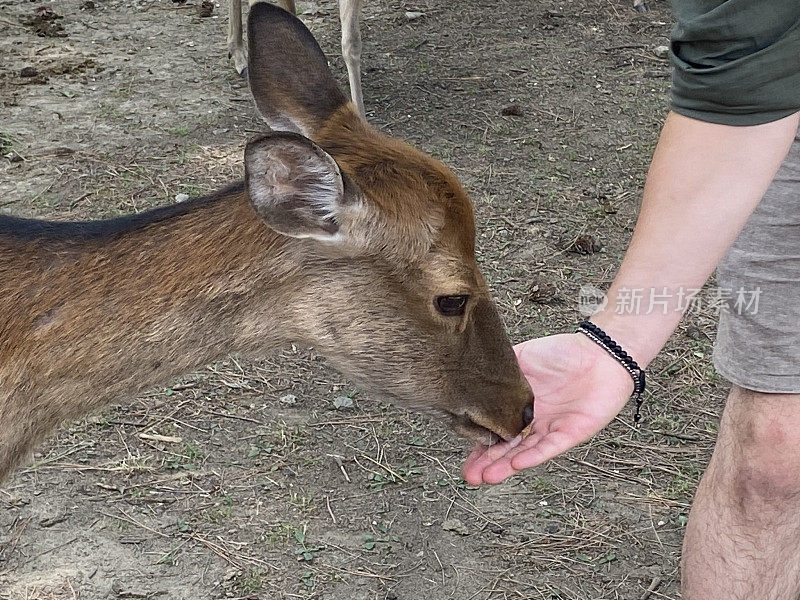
578	389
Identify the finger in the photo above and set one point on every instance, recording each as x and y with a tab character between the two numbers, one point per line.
479	459
548	446
503	467
472	475
476	453
523	348
498	471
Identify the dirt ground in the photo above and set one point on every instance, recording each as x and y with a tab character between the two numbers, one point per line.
272	491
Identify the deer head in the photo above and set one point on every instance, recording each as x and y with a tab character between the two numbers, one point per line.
387	237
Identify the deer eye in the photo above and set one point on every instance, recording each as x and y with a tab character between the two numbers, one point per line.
451	306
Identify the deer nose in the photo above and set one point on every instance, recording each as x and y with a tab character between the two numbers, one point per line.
527	415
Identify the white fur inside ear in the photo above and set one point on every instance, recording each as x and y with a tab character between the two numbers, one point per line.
297	188
283	123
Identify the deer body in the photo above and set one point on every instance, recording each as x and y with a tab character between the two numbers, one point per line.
96	317
348	243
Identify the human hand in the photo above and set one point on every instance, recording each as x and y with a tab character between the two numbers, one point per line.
578	389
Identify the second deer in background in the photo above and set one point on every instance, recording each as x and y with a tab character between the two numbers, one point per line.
349	14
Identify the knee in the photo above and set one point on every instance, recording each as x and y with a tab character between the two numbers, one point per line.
765	450
351	55
767	483
351	48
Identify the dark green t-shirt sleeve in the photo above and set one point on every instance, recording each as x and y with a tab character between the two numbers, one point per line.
736	62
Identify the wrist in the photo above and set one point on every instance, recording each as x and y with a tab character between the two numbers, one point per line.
622	358
607	343
596	355
641	337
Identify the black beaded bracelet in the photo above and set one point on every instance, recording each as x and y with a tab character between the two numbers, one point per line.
602	339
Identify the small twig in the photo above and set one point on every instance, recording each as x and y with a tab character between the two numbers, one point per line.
611	473
170	439
228	556
385	468
133	521
46	461
625	47
49	550
44	191
347	422
359	573
227	416
330	512
79	198
653	586
678	436
441	566
12	543
7	22
339	462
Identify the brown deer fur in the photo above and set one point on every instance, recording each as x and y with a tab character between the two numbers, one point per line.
97	312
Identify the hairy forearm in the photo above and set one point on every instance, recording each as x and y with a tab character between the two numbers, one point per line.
704	182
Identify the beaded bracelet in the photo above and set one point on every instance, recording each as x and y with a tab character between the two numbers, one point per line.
602	339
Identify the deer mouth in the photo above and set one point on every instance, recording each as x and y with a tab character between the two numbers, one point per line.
466	426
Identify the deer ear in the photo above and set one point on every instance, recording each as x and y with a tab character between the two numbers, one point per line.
289	75
297	188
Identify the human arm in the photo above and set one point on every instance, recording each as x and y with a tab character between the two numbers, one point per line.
704	182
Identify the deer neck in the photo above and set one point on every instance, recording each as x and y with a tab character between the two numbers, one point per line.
125	312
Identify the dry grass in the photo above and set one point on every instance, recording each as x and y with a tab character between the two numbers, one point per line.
219	485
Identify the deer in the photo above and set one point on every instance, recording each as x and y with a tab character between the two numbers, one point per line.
349	16
339	237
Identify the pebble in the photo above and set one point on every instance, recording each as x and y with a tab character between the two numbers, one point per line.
456	526
513	110
343	402
205	9
661	51
541	291
585	244
695	333
181	197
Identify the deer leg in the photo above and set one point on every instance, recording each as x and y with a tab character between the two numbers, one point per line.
22	425
287	5
236	49
350	13
15	451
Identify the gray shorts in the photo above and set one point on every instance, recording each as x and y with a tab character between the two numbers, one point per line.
758	339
